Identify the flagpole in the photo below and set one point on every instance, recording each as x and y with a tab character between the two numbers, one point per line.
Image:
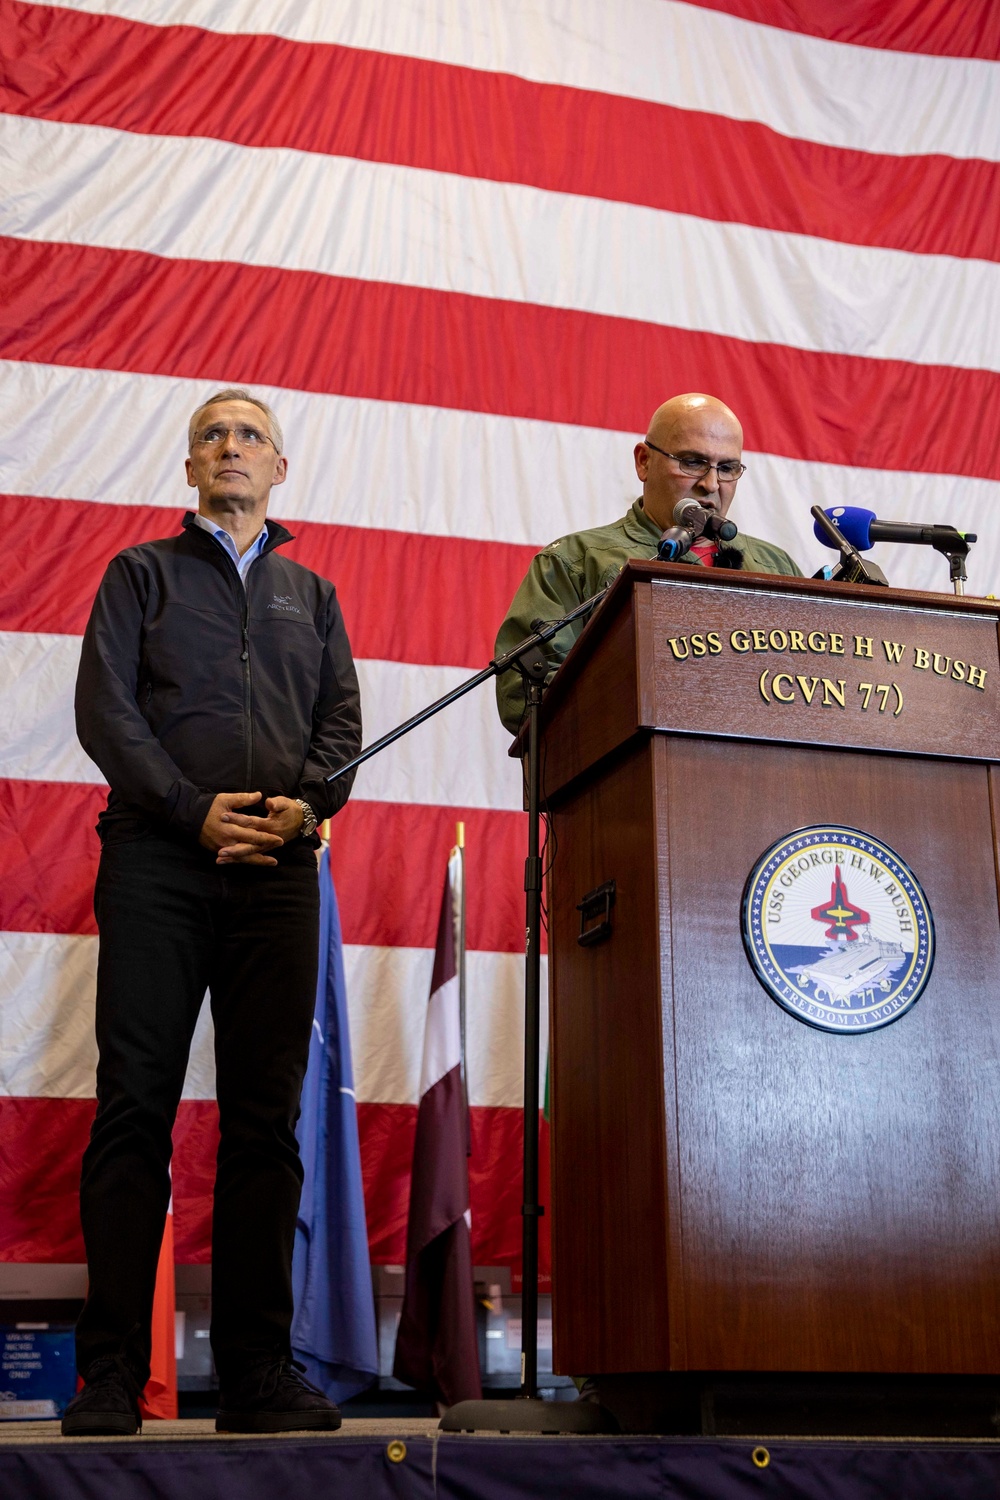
460	846
531	1209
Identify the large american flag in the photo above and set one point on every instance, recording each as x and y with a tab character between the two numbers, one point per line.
465	247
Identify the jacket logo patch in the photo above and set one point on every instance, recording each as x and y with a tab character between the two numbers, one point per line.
283	602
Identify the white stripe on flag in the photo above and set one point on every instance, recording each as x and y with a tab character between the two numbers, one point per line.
47	1046
386	989
459	758
47	1043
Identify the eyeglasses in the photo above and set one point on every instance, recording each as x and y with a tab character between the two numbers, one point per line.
245	435
696	466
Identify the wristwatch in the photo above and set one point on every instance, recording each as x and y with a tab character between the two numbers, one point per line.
308	818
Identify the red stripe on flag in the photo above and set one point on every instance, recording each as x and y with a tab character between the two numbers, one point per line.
387	1132
48	856
379	855
341	101
196	1143
43	1141
941	27
125	310
41	1145
436	600
65	545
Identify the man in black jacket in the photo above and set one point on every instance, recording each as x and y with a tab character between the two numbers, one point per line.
216	692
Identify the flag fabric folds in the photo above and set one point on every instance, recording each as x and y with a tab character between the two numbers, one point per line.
501	241
333	1332
436	1348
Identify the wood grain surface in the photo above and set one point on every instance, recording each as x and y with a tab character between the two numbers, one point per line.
622	676
733	1189
609	1237
780	666
604	713
840	1196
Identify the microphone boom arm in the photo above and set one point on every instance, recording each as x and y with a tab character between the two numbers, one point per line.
511	659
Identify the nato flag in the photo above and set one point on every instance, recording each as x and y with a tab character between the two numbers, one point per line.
333	1332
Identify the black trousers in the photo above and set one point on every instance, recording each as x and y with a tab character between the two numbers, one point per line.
173	923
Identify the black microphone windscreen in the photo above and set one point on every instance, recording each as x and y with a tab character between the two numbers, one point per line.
720	529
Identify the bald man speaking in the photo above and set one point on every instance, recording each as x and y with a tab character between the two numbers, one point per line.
692	451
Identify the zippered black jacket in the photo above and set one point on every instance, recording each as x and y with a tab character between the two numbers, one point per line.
190	685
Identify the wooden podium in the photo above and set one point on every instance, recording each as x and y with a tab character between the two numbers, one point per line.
733	1189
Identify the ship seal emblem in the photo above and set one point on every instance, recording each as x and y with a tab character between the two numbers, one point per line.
837	929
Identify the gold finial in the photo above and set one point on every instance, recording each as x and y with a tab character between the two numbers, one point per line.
460	835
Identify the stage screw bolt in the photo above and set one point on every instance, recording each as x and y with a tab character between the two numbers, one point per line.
396	1451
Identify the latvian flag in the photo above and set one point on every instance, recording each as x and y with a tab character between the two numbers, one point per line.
436	1346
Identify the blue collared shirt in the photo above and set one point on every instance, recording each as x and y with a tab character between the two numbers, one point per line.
225	541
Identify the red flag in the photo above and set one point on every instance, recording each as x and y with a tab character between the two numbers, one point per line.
436	1347
159	1399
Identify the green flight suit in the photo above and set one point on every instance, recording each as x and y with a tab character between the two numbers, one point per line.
576	567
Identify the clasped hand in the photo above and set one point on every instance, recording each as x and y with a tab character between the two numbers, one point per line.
238	838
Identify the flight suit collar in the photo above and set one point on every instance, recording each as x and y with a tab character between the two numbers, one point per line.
639	528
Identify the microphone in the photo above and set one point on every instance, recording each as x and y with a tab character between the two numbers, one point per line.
691	521
862	529
721	529
852	567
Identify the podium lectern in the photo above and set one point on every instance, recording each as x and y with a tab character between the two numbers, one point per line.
733	1188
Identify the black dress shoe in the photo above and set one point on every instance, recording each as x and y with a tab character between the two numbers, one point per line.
108	1405
273	1397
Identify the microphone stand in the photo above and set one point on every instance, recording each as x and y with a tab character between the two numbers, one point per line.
955	547
952	544
527	1413
853	568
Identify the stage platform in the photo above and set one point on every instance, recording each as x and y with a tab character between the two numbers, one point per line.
373	1459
